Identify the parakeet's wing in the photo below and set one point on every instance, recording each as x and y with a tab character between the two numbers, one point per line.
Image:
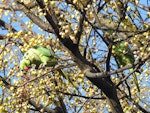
124	56
67	78
31	55
47	56
44	51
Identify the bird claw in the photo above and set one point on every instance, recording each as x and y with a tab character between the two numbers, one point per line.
42	65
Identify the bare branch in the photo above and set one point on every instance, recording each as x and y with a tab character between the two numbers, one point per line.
61	103
43	25
134	102
8	85
41	107
16	7
49	18
7	26
108	57
141	6
76	95
136	65
80	27
57	67
7	7
2	37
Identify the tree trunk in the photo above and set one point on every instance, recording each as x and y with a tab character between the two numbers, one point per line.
110	91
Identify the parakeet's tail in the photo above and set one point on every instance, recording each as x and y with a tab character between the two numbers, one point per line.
136	81
67	78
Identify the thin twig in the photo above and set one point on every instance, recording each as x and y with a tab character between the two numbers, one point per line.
81	96
57	67
85	103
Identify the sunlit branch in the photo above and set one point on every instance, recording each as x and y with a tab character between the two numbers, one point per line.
138	32
136	65
141	6
49	18
128	35
43	25
7	7
16	7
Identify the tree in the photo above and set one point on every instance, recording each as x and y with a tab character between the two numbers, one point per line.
79	33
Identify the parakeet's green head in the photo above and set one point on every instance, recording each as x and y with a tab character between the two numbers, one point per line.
24	64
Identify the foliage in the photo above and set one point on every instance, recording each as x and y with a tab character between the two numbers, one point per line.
78	32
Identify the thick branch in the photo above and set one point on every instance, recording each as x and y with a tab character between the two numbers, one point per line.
16	7
7	7
108	57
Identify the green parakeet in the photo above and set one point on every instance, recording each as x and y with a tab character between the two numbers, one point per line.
39	55
124	56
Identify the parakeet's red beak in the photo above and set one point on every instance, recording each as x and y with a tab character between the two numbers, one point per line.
26	68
